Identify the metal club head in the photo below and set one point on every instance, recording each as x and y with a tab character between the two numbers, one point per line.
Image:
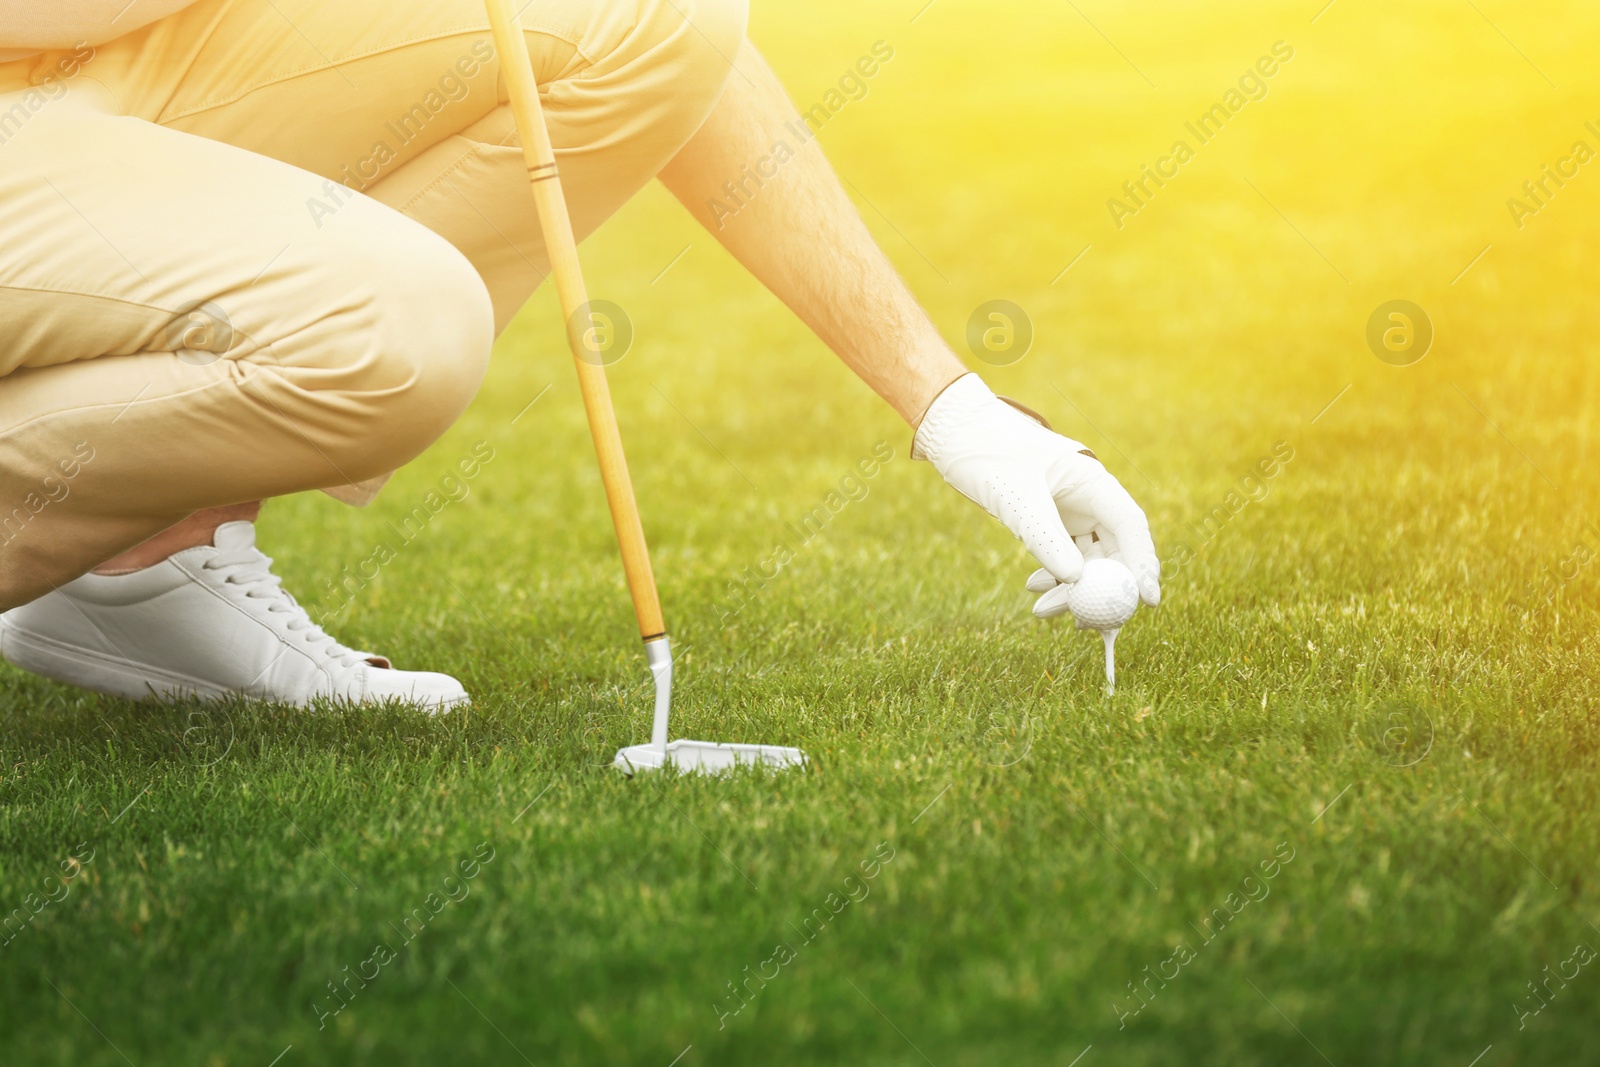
698	757
705	757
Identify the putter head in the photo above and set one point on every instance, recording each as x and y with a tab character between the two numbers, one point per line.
705	757
694	757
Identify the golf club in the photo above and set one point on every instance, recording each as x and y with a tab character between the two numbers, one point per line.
551	205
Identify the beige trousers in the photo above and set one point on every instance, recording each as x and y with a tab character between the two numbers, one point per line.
263	246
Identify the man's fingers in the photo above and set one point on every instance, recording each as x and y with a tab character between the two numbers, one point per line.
1031	514
1123	524
1130	533
1041	581
1147	572
1146	568
1052	603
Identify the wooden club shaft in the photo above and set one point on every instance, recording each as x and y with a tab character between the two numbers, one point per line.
517	69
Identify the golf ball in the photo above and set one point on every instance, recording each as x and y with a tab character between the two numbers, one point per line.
1105	597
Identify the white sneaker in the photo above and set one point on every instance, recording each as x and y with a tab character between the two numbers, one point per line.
211	621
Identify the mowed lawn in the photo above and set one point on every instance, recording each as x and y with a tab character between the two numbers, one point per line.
1341	808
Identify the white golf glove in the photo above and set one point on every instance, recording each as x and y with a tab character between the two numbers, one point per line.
1049	490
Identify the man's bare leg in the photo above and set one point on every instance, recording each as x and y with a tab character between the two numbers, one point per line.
198	529
803	239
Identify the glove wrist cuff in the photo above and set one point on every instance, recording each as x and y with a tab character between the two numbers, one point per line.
961	399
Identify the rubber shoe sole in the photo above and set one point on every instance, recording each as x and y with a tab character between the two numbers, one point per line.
89	669
86	668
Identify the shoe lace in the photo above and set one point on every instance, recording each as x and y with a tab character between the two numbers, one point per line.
249	573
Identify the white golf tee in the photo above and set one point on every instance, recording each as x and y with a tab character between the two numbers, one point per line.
1110	637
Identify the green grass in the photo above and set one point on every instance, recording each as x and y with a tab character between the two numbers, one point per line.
1349	668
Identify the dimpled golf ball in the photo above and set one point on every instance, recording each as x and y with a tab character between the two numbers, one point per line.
1105	597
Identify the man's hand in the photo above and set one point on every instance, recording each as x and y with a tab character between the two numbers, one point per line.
1047	489
802	237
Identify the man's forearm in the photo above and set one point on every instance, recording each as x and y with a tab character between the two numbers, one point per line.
34	25
803	239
